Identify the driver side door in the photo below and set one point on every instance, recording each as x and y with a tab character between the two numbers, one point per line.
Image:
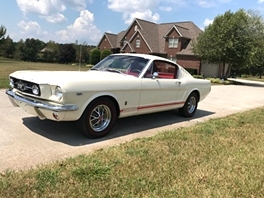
160	93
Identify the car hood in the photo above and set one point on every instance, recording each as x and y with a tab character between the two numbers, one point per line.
62	77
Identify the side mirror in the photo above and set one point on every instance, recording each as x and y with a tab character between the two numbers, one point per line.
155	75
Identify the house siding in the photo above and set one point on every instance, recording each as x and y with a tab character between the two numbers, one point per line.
154	39
190	62
143	49
171	52
131	31
104	44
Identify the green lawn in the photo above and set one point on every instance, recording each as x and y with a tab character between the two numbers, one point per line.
219	158
8	66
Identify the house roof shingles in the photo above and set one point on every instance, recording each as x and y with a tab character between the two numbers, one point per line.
114	39
150	33
154	34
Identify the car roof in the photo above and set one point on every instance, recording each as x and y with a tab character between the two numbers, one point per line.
147	56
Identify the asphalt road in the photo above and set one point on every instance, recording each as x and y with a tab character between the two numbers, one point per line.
26	141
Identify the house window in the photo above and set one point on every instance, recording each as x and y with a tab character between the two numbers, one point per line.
173	42
135	28
137	43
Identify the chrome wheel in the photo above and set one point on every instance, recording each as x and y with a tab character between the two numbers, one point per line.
100	118
191	104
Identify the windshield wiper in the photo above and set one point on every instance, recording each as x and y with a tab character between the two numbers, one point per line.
94	69
113	70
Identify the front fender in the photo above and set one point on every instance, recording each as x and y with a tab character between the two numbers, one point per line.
84	99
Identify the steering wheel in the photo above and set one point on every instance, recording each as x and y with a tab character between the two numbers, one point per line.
136	71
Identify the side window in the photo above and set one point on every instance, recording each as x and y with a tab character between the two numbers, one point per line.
150	71
166	70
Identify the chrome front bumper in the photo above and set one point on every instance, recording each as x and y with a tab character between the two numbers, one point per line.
44	110
57	108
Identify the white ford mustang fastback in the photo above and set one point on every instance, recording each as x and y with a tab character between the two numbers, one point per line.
119	86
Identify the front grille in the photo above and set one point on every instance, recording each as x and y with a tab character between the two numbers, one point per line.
25	86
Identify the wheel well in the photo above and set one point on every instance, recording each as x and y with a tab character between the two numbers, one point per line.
113	100
197	93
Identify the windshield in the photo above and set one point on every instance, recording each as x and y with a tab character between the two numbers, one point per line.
131	65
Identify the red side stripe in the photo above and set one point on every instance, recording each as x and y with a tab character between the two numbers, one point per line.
157	105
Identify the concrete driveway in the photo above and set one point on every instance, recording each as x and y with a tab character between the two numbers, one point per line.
26	141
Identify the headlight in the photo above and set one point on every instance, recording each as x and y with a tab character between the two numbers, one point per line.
58	93
35	90
11	83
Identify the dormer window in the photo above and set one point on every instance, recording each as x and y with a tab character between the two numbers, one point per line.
173	42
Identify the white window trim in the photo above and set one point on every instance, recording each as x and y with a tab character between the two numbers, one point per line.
137	43
173	42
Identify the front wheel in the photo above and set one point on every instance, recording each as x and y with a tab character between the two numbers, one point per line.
98	118
190	106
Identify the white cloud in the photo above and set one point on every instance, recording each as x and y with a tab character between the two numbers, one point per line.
135	9
31	29
76	4
132	5
208	22
145	9
54	18
82	28
51	10
41	7
147	15
261	1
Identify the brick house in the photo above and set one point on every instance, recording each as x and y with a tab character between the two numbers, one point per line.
169	40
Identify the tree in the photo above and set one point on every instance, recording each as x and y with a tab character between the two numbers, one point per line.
30	49
50	52
85	54
105	53
2	32
18	45
82	54
67	53
8	47
256	59
227	40
95	56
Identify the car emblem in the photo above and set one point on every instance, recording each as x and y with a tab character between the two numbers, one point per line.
22	86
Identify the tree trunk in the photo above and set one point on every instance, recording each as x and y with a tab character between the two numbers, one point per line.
223	71
228	71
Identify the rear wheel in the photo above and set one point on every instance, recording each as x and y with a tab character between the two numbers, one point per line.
98	118
190	106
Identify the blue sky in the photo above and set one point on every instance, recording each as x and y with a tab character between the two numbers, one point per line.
68	21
